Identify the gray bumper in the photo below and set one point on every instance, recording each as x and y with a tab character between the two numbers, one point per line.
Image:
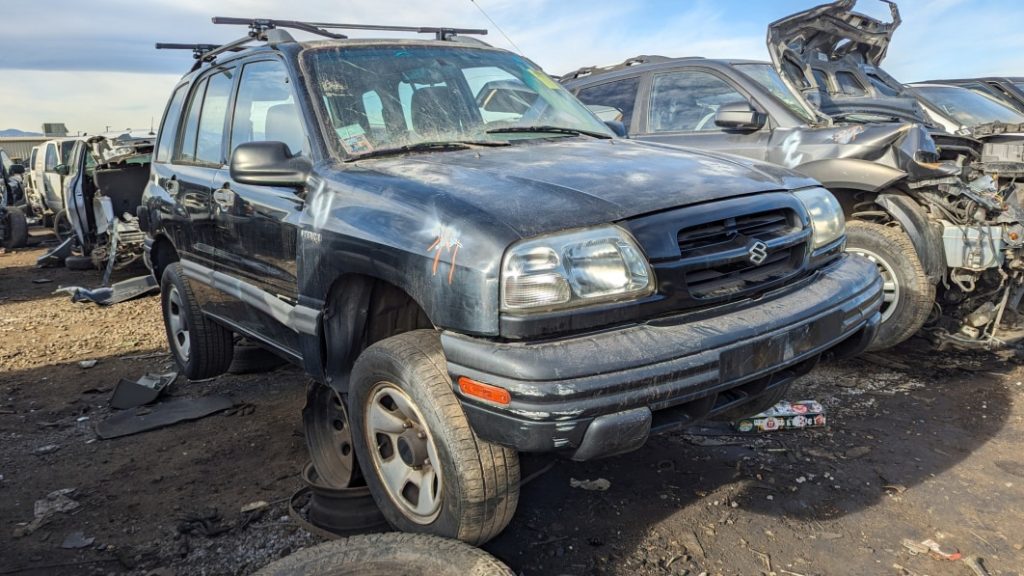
601	394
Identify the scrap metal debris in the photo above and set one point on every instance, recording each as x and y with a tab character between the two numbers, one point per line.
599	485
932	548
113	294
132	394
160	415
56	502
56	256
86	364
785	416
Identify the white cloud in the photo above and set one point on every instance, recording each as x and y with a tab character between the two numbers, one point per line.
84	101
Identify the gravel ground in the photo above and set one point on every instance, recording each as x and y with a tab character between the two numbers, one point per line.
919	445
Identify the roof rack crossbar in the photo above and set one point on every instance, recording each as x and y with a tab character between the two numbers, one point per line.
259	25
199	51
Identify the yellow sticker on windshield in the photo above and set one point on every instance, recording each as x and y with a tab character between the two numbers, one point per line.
544	79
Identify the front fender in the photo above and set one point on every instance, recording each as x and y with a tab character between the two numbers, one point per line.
927	239
852	174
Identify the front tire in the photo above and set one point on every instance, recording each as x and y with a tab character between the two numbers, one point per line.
201	347
908	296
426	468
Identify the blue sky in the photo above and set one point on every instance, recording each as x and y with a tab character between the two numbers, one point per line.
92	64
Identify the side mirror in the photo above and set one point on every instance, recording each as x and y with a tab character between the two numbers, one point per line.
739	116
62	169
17	169
618	127
269	164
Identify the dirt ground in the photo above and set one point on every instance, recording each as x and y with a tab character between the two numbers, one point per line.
920	445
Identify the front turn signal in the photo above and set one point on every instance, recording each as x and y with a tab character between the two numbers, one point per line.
483	391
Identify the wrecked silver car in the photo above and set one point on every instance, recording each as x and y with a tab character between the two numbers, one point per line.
106	178
969	211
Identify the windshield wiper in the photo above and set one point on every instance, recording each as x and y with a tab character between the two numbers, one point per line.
426	147
549	130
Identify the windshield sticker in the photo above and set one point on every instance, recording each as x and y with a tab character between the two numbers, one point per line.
353	139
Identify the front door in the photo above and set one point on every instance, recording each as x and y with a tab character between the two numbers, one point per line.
257	226
681	111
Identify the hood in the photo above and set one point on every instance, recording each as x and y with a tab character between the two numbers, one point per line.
544	187
831	42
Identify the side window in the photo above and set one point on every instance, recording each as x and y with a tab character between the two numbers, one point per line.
500	96
618	96
169	126
688	101
51	158
265	108
210	136
187	145
849	85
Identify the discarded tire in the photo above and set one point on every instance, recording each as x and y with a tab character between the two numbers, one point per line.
341	511
17	229
392	554
253	359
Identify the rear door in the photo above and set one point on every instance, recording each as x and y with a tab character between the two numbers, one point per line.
200	153
257	226
680	110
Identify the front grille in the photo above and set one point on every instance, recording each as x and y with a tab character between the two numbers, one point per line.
716	256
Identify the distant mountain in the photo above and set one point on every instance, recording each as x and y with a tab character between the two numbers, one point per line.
13	132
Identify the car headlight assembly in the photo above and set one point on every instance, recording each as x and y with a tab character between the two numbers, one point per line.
827	220
574	269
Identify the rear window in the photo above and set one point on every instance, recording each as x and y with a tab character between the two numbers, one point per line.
849	85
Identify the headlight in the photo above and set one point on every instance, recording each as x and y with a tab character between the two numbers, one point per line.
574	269
826	214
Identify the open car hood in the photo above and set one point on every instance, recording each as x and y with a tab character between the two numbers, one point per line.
833	38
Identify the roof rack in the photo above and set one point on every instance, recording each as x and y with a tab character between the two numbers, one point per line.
267	30
627	63
258	26
199	51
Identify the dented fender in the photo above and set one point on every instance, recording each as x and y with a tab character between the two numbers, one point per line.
926	238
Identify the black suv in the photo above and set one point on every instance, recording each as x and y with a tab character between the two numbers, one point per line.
469	264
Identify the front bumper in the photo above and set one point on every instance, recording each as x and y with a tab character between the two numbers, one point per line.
602	394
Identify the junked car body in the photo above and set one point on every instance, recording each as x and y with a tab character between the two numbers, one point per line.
919	201
1007	88
106	176
833	55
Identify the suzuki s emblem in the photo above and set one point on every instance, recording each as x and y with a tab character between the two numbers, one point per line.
758	253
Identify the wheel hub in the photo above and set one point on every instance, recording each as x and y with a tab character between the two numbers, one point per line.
412	448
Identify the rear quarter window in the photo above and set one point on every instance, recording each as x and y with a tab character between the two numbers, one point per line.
169	125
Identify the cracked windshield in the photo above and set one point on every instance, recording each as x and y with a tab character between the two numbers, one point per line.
403	98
